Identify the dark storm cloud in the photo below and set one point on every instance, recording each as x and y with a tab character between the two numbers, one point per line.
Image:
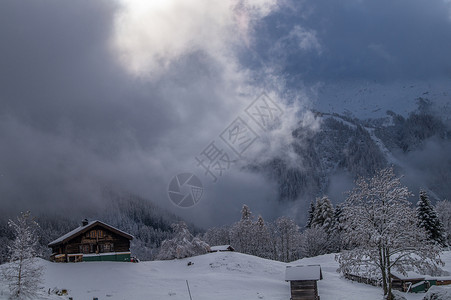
66	110
370	40
57	75
74	120
71	120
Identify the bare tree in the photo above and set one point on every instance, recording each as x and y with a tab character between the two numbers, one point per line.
314	241
443	209
23	274
184	244
287	239
382	225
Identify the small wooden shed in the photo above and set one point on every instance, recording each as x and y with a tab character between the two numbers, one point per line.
303	281
221	248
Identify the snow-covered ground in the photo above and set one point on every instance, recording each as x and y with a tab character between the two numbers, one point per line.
214	276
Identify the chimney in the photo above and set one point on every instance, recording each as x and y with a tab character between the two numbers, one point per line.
84	222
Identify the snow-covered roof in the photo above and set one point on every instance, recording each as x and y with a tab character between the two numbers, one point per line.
84	228
311	272
412	275
409	275
221	248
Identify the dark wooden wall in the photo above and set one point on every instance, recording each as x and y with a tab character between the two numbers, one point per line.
120	243
304	290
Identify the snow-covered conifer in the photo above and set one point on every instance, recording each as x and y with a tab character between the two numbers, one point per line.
323	215
261	239
311	213
428	219
242	232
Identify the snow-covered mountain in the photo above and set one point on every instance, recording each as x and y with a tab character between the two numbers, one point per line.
370	100
359	135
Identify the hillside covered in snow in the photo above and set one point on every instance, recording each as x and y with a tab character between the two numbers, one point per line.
221	275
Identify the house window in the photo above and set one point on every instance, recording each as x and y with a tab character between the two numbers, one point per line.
87	234
86	249
107	248
100	233
93	234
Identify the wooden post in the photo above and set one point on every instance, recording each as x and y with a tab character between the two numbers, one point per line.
189	292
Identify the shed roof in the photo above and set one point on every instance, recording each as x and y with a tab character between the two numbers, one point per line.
82	229
310	272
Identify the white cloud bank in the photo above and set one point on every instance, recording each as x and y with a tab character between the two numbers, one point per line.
150	35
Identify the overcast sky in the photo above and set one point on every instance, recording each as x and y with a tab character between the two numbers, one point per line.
127	93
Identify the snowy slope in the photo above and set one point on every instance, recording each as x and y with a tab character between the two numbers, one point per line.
364	99
214	276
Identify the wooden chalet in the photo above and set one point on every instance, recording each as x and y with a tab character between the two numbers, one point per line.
92	241
221	248
303	281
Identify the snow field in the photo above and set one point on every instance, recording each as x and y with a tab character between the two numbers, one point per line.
213	276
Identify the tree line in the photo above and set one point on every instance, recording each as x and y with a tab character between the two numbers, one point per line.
375	232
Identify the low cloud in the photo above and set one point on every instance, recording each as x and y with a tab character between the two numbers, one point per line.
129	96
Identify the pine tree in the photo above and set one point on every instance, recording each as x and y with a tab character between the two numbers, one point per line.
428	219
311	213
261	239
323	215
337	229
242	232
338	219
23	272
